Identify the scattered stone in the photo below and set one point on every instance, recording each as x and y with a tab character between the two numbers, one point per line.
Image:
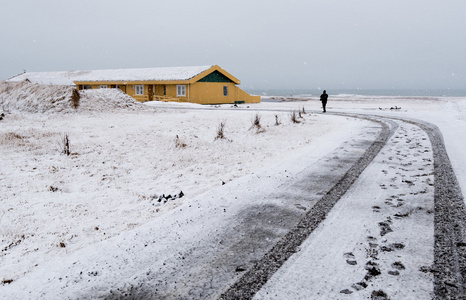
351	262
346	291
394	273
7	281
164	198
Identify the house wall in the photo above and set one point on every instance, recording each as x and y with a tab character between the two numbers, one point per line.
243	96
212	92
198	92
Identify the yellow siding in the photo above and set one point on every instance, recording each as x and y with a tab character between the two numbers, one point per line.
212	93
196	92
243	96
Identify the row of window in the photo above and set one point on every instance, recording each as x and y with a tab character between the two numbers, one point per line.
180	89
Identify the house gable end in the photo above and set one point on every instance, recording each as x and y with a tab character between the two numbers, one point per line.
215	76
213	69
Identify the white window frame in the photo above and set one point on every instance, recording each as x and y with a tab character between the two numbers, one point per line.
103	86
181	90
139	89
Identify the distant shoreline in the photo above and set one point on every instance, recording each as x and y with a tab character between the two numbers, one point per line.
360	92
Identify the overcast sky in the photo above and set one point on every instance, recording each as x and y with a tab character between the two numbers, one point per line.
267	44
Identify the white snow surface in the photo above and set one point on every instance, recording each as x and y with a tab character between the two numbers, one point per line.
91	220
142	74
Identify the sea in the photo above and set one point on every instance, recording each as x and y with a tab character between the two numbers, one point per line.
360	92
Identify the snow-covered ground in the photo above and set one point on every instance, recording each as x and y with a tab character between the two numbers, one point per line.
60	214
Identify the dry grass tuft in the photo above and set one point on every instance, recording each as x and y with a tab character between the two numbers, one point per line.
65	144
277	120
221	131
75	97
12	139
256	123
179	143
294	118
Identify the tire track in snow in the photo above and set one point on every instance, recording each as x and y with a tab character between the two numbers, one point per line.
449	266
252	281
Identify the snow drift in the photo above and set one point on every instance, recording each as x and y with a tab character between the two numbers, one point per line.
30	97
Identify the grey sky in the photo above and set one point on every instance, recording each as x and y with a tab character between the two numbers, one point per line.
266	44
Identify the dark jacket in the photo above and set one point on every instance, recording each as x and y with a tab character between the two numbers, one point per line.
324	97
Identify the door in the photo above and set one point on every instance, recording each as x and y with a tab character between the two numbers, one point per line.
150	92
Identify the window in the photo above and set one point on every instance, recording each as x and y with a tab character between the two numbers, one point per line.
181	91
86	87
139	89
104	86
225	91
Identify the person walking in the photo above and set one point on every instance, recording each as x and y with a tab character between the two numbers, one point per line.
323	99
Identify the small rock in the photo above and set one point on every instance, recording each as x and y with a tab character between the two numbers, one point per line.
394	273
346	291
7	281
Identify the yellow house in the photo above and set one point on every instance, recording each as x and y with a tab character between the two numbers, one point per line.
202	84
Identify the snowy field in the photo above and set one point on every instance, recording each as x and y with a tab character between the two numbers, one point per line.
57	209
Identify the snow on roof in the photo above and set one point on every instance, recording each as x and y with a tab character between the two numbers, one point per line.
144	74
52	81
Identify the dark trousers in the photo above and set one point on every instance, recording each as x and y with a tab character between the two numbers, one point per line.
324	104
